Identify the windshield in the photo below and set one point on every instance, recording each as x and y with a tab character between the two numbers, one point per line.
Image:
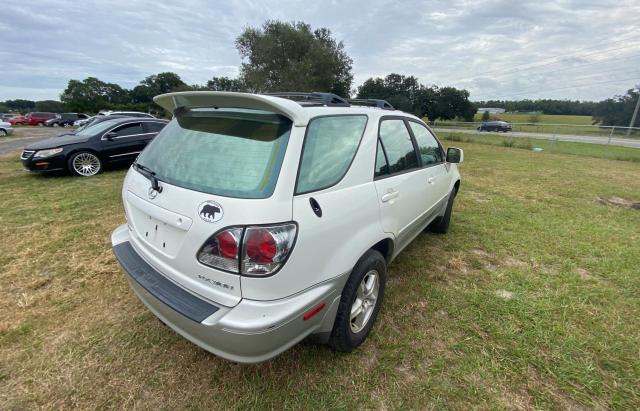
93	129
228	152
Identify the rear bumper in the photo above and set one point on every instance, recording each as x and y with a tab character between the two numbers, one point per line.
8	130
250	332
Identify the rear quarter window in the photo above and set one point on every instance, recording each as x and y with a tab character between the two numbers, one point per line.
330	144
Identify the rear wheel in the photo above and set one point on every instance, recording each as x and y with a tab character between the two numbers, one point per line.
85	164
360	302
3	132
41	124
441	224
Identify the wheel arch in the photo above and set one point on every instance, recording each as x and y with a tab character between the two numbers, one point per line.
385	247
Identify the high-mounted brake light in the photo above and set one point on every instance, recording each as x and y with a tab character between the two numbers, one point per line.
263	250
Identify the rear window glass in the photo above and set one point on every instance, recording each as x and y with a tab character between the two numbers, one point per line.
329	147
228	152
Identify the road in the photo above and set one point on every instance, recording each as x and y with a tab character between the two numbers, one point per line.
615	141
23	136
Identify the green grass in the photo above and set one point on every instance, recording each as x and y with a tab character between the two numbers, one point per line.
548	146
529	302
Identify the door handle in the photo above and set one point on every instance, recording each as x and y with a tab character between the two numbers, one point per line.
430	180
390	195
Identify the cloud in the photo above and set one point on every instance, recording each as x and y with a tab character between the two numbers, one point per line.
494	48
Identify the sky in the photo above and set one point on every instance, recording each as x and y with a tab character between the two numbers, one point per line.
496	49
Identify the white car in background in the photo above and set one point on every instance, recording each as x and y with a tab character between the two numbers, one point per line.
111	113
254	221
5	129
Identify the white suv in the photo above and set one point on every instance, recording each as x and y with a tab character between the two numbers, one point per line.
254	221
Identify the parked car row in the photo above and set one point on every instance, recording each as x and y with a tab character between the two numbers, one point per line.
65	119
39	118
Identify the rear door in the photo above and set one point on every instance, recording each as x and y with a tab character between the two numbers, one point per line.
151	128
400	182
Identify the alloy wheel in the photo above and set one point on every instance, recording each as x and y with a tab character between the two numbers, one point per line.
86	164
365	302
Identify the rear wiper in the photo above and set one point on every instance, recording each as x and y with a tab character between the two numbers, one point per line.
151	175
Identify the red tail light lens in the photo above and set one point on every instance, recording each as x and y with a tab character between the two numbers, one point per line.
221	250
265	249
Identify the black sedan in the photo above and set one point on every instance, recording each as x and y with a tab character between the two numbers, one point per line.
65	119
495	126
86	152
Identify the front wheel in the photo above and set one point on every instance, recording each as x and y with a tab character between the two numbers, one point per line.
3	132
85	164
360	302
441	224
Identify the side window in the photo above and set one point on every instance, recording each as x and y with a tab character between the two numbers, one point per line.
129	129
428	146
329	147
397	144
153	127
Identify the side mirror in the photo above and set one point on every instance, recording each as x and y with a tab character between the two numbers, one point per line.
111	135
455	155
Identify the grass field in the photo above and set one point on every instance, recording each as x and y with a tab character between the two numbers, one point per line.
530	302
548	146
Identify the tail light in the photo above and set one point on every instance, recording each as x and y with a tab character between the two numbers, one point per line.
221	250
252	251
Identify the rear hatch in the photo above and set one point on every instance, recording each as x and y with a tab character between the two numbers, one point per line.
209	169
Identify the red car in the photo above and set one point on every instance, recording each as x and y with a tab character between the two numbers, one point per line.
17	120
38	118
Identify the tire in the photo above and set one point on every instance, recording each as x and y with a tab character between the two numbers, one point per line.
84	164
40	124
441	224
364	287
3	132
56	125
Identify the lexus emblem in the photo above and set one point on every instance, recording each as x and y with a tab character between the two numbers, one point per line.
152	193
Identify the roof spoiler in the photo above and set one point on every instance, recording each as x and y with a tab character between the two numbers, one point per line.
192	99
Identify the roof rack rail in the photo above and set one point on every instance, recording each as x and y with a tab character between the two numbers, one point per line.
374	102
323	99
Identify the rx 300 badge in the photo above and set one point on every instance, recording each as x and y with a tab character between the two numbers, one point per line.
210	211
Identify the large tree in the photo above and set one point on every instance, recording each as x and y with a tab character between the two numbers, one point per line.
283	56
407	94
156	84
91	95
617	111
226	84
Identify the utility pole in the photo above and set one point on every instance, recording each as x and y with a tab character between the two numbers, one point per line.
635	112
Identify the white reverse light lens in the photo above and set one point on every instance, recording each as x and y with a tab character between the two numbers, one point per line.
48	153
